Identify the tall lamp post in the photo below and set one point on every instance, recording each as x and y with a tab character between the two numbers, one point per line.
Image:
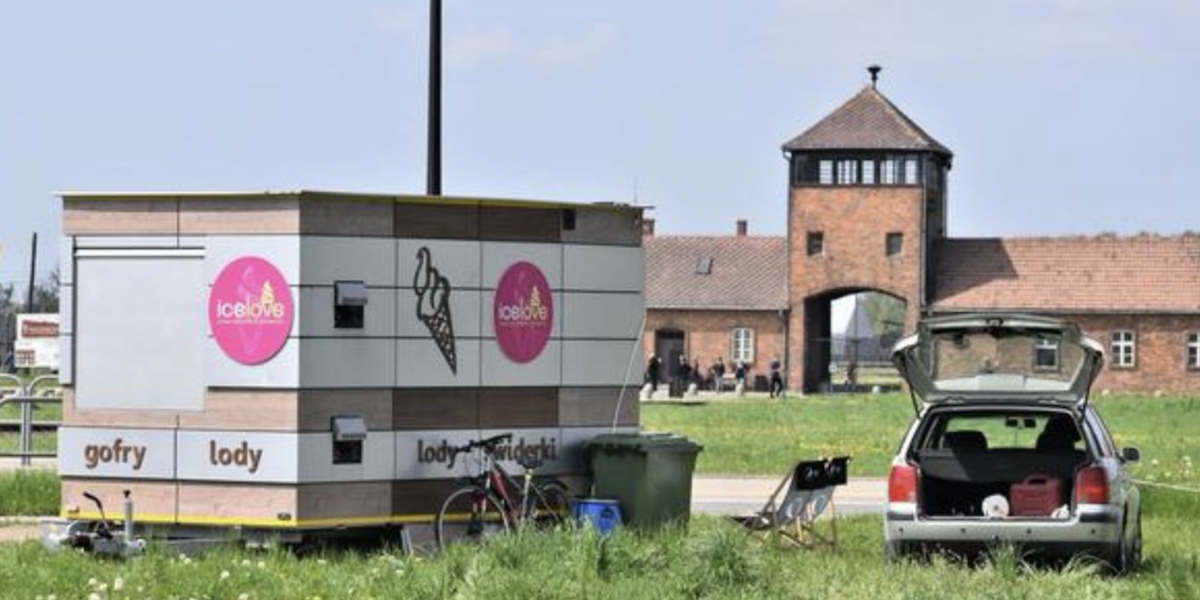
433	175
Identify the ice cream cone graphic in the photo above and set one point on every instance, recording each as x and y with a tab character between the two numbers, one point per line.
433	306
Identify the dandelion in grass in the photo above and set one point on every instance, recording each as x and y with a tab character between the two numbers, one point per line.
224	575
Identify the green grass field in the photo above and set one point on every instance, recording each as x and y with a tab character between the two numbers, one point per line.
713	558
766	437
32	492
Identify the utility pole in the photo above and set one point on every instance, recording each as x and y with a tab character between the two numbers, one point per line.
433	176
32	274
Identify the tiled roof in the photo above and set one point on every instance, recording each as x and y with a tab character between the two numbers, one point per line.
868	121
1106	274
747	272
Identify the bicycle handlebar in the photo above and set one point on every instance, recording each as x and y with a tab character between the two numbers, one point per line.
487	444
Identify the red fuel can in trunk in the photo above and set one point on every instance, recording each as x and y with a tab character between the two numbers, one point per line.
1037	496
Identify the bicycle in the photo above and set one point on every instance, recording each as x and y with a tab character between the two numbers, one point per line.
493	501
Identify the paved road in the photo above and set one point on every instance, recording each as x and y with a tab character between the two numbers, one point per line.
746	495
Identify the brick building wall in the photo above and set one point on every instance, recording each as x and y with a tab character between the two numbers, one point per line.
855	222
707	334
1160	343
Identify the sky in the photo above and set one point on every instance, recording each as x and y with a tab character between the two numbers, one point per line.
1065	116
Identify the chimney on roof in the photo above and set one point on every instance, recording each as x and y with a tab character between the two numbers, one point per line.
874	71
647	227
741	228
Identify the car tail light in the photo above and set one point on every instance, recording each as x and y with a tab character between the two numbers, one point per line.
1091	485
902	484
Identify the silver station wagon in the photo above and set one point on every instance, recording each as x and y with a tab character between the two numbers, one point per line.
1005	448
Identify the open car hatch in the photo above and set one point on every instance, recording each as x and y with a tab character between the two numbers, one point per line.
999	357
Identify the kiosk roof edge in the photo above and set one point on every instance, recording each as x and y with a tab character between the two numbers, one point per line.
76	195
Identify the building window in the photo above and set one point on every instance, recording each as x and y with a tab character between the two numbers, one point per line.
894	243
704	265
868	172
1193	350
816	243
847	172
825	172
741	345
911	171
1123	349
889	171
1045	354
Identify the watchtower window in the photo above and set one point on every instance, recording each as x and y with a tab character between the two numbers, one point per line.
865	168
894	243
847	172
825	172
816	243
911	172
868	172
889	171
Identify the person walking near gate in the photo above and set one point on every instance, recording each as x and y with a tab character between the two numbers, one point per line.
653	372
776	378
739	377
718	373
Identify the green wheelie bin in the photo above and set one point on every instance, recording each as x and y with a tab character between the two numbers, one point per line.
649	474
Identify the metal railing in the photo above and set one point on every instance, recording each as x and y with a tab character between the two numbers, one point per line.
27	396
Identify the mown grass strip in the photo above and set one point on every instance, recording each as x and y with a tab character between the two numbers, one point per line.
713	558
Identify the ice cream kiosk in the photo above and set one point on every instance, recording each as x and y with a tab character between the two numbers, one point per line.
301	361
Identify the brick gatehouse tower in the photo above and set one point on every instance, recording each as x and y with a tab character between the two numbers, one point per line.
866	211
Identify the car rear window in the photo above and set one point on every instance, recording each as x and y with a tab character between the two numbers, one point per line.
1004	430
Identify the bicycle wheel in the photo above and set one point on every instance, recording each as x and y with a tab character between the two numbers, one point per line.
469	514
551	505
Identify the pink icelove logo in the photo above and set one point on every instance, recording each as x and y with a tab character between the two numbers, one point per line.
250	310
523	312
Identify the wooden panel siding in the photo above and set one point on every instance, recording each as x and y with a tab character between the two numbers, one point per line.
114	418
252	215
604	227
518	407
595	406
334	215
344	500
514	224
421	497
133	216
318	407
211	503
426	408
153	501
428	220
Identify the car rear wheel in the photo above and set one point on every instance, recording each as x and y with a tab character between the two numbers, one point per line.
1131	560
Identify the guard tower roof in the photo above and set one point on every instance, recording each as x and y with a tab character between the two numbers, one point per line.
868	121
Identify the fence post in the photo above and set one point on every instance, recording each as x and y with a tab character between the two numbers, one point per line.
26	433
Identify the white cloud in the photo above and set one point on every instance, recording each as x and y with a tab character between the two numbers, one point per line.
571	51
402	18
499	43
480	45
